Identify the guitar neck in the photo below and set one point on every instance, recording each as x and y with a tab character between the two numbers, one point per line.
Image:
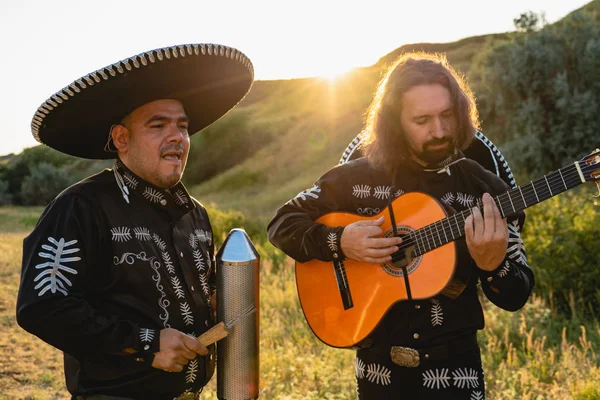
509	203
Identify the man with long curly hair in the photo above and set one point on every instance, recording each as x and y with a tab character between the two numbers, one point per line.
422	118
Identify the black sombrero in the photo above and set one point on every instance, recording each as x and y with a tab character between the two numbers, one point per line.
481	150
208	79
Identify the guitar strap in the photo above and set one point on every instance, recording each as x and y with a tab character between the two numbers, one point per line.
403	267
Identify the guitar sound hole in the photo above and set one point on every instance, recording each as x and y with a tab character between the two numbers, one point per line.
404	257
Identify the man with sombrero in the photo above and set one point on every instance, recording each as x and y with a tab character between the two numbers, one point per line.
119	273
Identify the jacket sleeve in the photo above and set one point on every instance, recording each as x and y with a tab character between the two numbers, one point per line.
62	257
510	285
294	230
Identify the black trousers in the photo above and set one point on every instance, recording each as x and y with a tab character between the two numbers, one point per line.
451	371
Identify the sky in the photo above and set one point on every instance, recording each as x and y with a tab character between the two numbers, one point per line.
46	45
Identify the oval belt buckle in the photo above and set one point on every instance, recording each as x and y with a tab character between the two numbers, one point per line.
405	356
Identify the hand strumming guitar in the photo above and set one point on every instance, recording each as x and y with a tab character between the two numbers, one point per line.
487	235
360	242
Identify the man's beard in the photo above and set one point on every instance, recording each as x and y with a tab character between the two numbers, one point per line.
435	156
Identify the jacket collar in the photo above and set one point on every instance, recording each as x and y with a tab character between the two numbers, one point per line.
176	201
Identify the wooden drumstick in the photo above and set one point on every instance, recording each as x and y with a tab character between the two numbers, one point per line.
221	330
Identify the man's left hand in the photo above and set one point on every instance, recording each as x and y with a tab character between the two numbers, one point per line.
487	235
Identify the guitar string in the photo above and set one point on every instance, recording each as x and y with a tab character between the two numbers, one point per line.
550	179
554	176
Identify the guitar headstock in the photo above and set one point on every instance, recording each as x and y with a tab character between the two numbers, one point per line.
590	166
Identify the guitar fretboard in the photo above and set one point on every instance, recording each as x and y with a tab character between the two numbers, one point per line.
509	203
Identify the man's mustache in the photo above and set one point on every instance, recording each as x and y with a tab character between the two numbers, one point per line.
437	142
170	148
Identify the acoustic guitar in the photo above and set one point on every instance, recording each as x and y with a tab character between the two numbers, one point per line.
343	301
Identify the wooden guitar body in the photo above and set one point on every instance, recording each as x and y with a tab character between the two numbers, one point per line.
373	288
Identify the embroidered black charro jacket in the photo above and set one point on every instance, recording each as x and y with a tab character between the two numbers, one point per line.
111	262
356	187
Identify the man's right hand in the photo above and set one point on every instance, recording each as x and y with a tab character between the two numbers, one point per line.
359	242
176	349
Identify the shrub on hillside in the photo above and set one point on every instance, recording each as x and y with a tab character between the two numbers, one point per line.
561	236
43	183
539	93
5	196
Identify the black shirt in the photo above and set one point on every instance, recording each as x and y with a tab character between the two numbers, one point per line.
356	187
111	262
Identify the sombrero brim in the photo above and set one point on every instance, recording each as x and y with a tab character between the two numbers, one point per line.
208	79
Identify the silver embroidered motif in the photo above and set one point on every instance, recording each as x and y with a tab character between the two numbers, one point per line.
477	395
398	193
466	200
436	379
120	234
146	335
192	370
199	260
465	377
168	263
159	242
368	211
448	198
142	234
382	192
360	368
379	374
517	250
332	241
312	192
53	279
130	180
152	195
163	302
177	287
180	197
504	271
361	191
437	316
186	313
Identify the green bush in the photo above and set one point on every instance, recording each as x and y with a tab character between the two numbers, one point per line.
43	184
561	236
539	94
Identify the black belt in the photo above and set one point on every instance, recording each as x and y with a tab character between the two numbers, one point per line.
409	357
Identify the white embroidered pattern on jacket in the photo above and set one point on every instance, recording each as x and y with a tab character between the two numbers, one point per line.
186	313
153	195
199	260
146	335
466	200
120	234
53	279
312	192
448	198
465	377
382	192
437	316
163	301
192	370
368	211
130	180
398	193
203	236
168	263
204	282
379	374
159	242
193	240
361	191
504	271
434	379
360	368
517	250
142	234
332	241
180	197
177	287
477	395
